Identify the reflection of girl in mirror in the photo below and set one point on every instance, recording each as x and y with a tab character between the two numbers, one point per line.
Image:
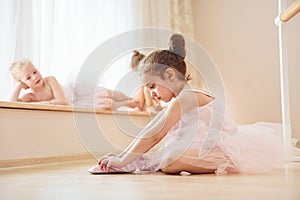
111	99
38	88
146	101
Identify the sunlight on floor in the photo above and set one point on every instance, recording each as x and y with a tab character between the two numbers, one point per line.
70	180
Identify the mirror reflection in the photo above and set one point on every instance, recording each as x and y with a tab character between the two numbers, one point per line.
110	93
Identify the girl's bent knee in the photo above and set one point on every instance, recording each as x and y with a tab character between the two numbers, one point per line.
170	170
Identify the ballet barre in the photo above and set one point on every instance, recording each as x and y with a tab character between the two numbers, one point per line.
288	13
282	17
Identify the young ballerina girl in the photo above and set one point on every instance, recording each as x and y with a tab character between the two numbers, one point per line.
172	142
45	90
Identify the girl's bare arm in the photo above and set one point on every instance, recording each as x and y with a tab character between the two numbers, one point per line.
157	129
29	97
16	93
59	96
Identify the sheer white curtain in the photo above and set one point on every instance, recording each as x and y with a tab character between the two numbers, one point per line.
58	35
9	11
182	16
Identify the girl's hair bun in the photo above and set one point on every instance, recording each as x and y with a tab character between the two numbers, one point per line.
177	45
135	59
135	52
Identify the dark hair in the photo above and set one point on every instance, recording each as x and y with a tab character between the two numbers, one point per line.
136	59
158	61
177	45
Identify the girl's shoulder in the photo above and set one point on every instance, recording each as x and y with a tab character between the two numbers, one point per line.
195	97
50	79
198	91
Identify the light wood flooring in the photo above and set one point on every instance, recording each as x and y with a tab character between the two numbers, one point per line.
70	180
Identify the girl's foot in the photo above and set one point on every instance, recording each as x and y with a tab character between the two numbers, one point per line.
97	170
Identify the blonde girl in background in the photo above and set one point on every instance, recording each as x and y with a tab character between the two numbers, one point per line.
38	88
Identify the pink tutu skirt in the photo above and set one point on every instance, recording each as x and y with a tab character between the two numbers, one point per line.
254	148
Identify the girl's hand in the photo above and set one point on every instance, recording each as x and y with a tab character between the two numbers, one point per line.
22	85
106	157
25	98
111	163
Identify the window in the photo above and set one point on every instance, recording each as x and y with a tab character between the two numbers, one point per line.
58	35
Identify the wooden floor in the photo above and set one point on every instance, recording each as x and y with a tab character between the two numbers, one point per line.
70	180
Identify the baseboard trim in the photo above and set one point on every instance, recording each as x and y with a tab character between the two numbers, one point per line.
43	160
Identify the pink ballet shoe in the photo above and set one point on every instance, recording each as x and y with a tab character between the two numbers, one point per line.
97	170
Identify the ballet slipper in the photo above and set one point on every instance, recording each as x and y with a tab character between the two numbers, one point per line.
97	170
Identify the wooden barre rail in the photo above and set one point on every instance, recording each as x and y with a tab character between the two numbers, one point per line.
290	12
63	108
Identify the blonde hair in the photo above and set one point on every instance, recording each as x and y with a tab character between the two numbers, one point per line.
18	66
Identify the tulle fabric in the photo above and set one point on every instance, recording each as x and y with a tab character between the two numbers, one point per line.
254	148
68	94
88	96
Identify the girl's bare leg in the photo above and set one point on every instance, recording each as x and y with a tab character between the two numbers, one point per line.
191	163
178	166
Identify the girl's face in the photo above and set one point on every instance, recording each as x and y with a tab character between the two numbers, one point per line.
161	89
31	77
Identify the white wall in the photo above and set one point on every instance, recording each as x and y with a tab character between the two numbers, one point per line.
293	52
242	39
